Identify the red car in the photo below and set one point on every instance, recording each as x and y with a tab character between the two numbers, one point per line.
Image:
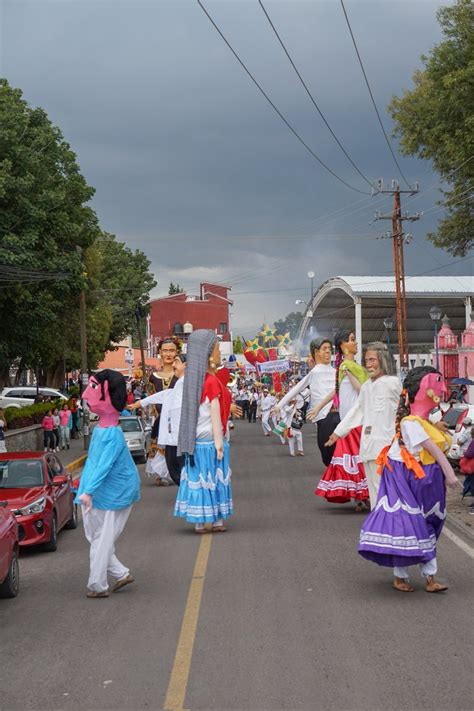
38	491
9	571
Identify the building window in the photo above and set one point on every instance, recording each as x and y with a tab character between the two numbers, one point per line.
223	328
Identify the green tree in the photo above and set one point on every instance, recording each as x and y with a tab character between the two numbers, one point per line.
237	345
174	289
51	248
291	323
44	217
435	121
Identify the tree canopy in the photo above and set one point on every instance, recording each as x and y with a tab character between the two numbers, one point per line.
174	289
51	247
435	121
291	323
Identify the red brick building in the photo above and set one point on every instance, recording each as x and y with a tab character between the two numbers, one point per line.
180	314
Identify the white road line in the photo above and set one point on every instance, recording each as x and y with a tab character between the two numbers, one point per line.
459	542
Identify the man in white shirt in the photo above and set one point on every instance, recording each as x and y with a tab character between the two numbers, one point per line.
375	410
321	381
267	402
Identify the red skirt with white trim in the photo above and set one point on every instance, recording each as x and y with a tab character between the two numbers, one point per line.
344	479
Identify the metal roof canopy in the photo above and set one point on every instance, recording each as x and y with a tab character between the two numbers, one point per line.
362	303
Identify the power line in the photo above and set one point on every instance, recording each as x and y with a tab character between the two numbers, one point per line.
372	96
313	100
275	108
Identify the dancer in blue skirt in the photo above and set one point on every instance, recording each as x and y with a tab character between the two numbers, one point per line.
205	494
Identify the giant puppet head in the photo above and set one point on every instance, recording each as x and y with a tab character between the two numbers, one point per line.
425	387
106	396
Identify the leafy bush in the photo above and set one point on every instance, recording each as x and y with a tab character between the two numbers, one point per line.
17	417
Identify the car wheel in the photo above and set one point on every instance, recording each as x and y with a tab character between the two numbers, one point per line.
72	523
52	544
142	458
11	584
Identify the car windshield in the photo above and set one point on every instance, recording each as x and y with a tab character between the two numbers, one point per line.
130	425
20	473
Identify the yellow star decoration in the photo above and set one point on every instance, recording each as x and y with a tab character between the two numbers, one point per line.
284	340
253	345
267	333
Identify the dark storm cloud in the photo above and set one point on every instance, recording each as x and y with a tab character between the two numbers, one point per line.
190	163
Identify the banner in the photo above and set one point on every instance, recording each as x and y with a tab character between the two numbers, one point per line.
274	366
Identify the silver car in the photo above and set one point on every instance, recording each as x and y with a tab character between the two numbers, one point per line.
137	436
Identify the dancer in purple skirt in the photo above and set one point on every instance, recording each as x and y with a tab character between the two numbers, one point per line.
407	520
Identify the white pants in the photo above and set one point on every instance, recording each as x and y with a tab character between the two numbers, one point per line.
3	446
102	529
373	481
295	439
429	568
265	421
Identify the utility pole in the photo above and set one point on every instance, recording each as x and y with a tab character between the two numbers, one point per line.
399	238
84	372
140	340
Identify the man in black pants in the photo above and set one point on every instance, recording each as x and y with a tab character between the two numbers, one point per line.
252	409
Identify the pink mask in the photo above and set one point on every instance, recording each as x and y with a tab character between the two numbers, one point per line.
107	413
430	394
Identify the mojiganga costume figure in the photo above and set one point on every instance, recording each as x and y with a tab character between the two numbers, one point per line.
408	518
109	484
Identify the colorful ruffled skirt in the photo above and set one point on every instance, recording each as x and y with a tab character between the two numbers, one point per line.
408	518
205	492
344	479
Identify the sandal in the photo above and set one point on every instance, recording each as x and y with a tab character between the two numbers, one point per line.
94	594
432	586
219	529
402	585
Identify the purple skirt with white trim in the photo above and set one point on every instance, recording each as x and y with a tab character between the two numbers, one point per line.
408	518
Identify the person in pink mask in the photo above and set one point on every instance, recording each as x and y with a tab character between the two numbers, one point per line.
403	528
109	484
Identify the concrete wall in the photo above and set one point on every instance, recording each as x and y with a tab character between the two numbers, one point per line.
24	440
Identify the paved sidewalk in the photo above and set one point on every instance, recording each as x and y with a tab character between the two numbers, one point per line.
75	453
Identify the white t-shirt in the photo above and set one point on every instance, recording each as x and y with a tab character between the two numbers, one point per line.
347	396
321	380
413	435
204	423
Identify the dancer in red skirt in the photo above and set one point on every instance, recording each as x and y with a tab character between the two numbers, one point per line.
344	479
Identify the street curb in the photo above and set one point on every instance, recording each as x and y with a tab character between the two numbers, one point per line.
76	463
460	528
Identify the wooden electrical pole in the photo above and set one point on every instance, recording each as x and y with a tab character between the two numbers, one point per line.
399	238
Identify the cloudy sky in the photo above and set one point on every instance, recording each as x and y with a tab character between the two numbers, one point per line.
193	166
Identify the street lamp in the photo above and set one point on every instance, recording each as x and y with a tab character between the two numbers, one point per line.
388	323
435	315
311	276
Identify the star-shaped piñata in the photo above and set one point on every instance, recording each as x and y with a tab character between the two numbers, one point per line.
284	340
267	333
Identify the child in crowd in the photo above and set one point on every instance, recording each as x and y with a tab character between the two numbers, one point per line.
56	428
48	434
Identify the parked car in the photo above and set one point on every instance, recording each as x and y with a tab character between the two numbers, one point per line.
9	569
38	491
23	396
137	436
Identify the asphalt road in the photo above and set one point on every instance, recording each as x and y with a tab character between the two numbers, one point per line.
290	618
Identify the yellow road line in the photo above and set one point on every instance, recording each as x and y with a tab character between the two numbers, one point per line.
177	686
77	463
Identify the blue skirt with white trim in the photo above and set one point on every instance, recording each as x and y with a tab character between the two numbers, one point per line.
205	492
